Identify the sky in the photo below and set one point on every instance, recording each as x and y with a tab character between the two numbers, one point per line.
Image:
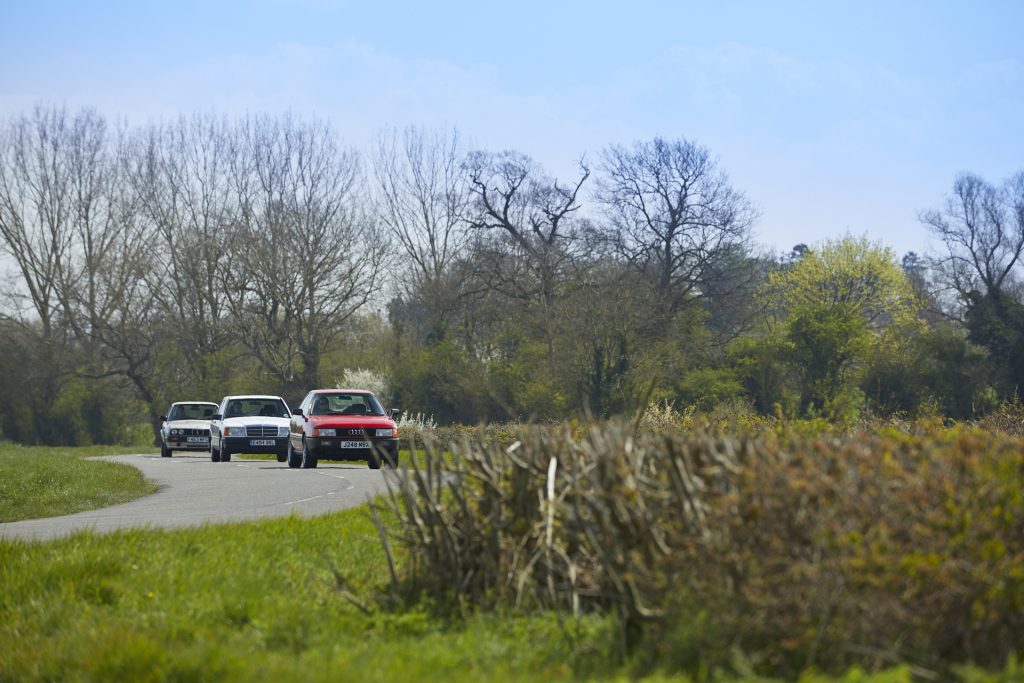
833	117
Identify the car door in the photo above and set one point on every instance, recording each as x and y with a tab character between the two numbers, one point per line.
217	425
296	423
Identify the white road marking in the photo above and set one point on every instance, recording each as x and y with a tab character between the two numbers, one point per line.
304	500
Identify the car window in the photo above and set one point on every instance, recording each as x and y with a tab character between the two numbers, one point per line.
346	404
256	407
190	411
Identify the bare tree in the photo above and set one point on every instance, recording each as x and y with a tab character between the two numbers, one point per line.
304	255
181	174
68	219
982	228
538	233
675	217
423	201
36	227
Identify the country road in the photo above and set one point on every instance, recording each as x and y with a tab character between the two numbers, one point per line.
195	491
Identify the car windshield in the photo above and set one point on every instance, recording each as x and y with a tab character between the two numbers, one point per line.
256	407
191	411
346	404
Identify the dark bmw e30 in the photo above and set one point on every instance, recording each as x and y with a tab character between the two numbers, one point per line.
342	424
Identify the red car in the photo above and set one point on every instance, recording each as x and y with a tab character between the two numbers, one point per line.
341	424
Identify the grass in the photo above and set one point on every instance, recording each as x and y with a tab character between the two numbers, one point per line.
38	482
254	601
287	599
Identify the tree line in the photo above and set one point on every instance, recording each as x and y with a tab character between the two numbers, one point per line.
201	256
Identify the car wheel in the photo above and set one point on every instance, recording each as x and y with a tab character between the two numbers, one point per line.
373	460
391	459
165	452
282	457
214	453
308	457
294	459
225	454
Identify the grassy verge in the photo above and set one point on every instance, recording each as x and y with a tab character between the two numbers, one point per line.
40	482
258	601
273	601
298	599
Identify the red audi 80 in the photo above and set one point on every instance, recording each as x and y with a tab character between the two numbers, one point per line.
342	424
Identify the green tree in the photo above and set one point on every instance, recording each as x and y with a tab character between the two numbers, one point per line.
841	306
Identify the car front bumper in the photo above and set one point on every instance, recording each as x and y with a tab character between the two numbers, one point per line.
254	444
332	448
182	443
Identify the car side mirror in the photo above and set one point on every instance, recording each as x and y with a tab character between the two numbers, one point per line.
395	412
297	412
216	416
163	418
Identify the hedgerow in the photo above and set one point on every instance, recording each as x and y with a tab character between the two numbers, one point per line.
799	549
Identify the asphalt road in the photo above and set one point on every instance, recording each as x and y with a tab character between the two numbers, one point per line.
195	491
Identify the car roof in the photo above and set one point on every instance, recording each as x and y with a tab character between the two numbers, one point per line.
259	396
342	391
194	403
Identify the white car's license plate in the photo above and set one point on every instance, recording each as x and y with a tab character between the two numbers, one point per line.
355	444
198	439
261	442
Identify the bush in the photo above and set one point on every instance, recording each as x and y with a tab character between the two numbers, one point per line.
802	550
366	379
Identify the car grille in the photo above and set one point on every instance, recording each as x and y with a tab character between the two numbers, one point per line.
261	430
195	432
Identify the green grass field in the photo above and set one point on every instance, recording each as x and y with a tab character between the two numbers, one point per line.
38	482
254	601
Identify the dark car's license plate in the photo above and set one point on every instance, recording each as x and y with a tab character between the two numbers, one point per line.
261	442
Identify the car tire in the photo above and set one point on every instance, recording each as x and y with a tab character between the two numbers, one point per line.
214	453
390	459
294	459
282	457
225	454
165	452
373	460
309	459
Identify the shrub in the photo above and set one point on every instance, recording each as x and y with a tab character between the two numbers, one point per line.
801	549
366	379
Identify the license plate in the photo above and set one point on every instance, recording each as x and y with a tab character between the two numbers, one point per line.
261	442
355	444
198	439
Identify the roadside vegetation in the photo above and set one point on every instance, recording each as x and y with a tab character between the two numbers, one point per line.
775	547
681	546
735	463
185	260
40	482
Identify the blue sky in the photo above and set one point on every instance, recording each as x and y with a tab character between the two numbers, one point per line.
833	117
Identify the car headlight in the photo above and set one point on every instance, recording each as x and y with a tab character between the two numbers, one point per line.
325	432
234	431
385	432
282	431
175	432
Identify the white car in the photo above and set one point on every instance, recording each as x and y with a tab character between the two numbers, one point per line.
186	427
249	424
